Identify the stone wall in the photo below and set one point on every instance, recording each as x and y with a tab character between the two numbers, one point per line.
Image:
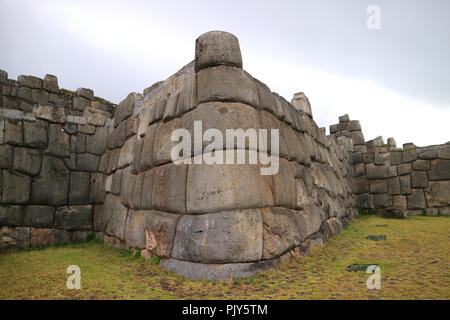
72	164
409	181
222	220
51	143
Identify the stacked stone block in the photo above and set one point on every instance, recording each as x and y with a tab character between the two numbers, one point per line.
51	141
222	220
350	129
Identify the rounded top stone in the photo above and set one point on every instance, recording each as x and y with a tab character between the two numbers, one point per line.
215	48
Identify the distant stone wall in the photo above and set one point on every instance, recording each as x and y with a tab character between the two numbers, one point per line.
51	143
409	181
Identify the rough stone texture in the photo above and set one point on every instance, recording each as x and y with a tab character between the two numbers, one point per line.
280	233
225	237
227	271
438	193
52	185
50	83
225	83
15	188
27	161
39	216
44	237
35	134
58	142
72	163
160	229
216	48
74	217
79	191
14	238
11	216
6	156
440	170
220	187
416	200
419	179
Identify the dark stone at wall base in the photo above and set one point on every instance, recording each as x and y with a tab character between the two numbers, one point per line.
11	216
14	238
192	270
74	217
43	237
39	216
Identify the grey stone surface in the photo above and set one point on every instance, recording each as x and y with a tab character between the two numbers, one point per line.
15	188
27	161
409	155
29	81
124	110
160	228
301	102
396	158
14	238
80	103
376	171
280	233
378	186
50	83
87	162
79	191
96	143
423	165
438	193
58	142
97	185
225	83
382	200
364	201
444	153
217	48
225	237
44	237
74	217
78	143
50	113
227	271
85	93
52	185
39	216
220	187
405	184
6	156
114	217
169	188
419	179
404	168
11	216
440	170
13	132
416	200
394	186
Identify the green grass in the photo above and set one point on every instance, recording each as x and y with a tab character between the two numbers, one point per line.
414	262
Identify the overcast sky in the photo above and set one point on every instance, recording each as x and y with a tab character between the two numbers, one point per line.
395	80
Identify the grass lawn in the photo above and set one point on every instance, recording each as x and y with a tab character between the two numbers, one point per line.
414	262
